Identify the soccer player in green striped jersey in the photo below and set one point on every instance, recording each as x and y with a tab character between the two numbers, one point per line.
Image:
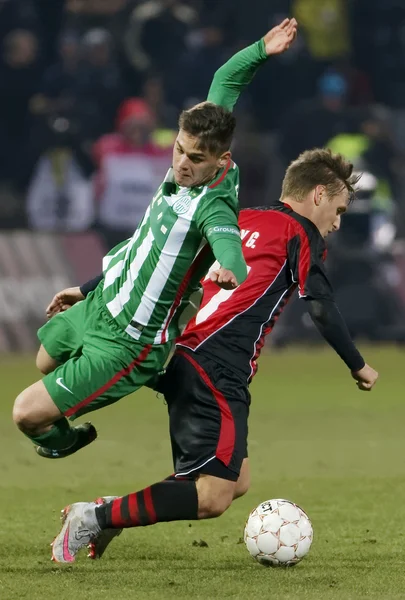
120	336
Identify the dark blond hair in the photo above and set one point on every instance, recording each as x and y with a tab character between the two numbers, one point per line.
318	167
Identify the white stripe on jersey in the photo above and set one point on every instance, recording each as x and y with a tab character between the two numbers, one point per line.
117	304
167	259
107	259
116	270
113	273
165	324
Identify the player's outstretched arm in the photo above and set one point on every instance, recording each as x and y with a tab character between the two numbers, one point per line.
235	75
330	323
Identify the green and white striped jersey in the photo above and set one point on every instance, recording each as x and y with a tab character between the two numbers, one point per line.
149	278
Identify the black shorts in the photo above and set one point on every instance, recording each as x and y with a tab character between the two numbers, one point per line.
208	416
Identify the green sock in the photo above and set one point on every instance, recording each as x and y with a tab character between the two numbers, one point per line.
59	437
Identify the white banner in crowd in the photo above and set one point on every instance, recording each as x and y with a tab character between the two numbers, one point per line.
33	267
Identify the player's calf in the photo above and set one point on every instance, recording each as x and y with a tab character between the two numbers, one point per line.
168	500
243	484
215	495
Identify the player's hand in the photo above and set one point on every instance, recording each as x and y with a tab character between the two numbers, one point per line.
365	378
224	278
64	300
279	39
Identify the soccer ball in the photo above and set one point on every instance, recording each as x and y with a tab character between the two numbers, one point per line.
278	532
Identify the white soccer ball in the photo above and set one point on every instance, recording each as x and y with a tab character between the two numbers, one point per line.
278	532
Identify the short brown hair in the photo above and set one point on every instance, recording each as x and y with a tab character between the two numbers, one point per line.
318	167
212	124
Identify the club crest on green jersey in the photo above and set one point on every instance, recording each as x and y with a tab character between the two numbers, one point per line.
182	205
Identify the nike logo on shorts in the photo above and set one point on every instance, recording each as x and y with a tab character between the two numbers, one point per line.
59	382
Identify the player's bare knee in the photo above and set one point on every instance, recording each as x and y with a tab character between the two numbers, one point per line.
34	409
23	413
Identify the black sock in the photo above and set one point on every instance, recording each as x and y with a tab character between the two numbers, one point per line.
163	501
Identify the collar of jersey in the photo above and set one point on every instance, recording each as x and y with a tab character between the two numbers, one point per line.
308	221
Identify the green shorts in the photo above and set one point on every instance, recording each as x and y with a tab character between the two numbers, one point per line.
100	363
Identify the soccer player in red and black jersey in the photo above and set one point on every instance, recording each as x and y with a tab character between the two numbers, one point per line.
206	384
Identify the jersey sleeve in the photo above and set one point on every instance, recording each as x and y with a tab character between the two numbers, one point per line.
331	325
306	256
91	285
306	260
235	75
218	223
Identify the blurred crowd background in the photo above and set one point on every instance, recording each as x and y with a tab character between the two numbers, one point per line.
90	93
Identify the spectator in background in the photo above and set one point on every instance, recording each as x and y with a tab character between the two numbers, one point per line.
130	169
312	123
371	149
95	7
20	71
83	90
207	43
326	30
18	15
154	94
203	56
59	196
112	16
100	86
156	37
379	42
58	89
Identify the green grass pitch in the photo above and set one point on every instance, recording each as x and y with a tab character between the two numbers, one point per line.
314	439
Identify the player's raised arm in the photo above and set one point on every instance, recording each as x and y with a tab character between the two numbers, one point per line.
235	75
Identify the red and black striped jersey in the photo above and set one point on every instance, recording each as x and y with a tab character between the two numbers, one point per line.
283	251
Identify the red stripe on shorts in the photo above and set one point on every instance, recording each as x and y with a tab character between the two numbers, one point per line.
226	442
125	371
